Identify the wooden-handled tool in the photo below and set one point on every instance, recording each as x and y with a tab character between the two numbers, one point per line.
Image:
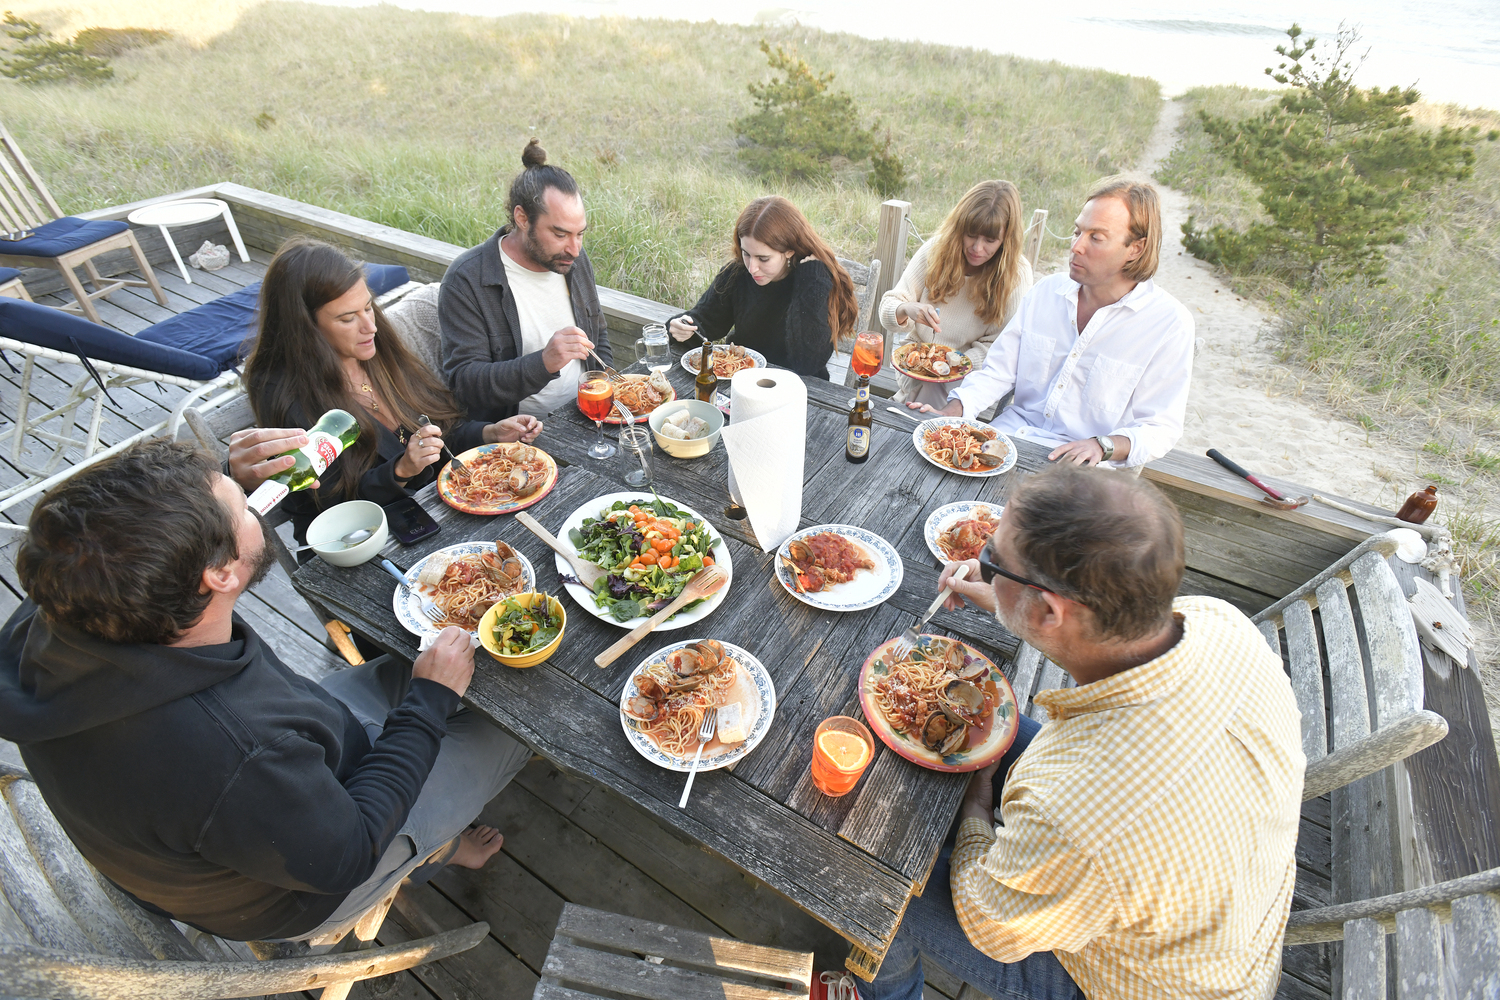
588	574
1273	498
704	582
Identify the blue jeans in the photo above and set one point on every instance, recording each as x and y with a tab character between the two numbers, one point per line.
931	928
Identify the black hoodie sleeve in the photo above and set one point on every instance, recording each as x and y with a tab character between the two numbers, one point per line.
343	829
714	313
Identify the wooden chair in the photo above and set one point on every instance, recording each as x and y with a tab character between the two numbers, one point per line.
1461	959
598	954
34	232
67	932
10	284
865	279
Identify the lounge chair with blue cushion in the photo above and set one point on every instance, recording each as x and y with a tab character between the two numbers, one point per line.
10	284
199	350
35	233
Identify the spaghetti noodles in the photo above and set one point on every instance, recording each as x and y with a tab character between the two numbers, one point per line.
932	696
678	712
464	588
958	446
727	361
641	394
966	536
508	473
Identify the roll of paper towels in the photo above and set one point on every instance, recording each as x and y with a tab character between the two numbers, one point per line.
766	442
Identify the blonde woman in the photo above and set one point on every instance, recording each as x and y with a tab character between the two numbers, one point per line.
963	285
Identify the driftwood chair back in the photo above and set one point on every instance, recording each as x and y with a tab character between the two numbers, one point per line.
25	202
1447	939
67	932
865	277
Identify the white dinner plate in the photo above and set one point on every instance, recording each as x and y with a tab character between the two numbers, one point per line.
715	754
939	520
585	597
408	606
756	356
919	439
866	590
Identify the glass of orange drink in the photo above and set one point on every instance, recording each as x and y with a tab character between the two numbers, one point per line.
868	354
596	397
842	749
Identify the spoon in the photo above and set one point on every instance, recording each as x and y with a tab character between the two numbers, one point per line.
704	582
352	538
588	574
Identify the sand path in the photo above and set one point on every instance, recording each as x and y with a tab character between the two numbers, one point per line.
1236	405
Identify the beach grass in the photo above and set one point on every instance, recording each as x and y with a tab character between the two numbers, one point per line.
416	120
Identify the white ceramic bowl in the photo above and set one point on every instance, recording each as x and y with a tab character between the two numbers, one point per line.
337	521
698	446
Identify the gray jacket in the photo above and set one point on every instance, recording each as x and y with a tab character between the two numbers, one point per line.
481	331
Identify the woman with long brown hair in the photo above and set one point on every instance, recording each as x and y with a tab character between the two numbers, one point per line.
963	285
324	344
783	293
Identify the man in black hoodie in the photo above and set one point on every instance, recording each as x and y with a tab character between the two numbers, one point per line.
186	761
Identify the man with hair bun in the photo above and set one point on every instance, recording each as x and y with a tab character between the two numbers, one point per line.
1099	358
520	312
1147	848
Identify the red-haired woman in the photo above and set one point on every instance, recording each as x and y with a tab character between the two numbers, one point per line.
974	270
784	293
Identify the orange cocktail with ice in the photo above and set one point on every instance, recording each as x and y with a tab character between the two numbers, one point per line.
842	749
596	397
868	354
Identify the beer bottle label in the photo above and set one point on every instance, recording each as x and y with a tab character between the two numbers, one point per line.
862	393
321	449
267	495
858	441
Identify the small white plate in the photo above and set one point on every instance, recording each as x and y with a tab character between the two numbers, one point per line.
408	606
720	755
939	520
919	438
584	597
756	356
866	590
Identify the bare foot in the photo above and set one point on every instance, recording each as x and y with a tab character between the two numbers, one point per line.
477	845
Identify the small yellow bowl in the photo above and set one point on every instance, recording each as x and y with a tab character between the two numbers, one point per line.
487	631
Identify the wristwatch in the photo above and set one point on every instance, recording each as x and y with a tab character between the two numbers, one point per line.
1107	443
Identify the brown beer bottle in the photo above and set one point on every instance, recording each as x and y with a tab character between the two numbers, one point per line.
707	382
1419	506
857	441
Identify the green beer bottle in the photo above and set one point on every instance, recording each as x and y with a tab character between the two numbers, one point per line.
326	440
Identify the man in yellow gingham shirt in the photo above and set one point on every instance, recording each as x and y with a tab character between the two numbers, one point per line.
1149	829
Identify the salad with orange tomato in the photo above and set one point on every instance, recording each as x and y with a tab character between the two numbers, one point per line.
648	550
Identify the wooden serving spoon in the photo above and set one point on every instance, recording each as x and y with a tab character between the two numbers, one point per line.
588	574
704	582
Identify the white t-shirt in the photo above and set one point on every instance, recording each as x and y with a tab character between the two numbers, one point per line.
544	307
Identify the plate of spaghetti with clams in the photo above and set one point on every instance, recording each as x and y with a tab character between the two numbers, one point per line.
502	478
464	581
944	706
666	696
964	446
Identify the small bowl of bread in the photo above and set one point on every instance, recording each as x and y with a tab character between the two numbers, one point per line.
686	428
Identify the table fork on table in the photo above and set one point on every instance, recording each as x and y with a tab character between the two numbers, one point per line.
429	608
907	641
705	733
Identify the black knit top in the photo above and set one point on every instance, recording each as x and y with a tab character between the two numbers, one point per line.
785	320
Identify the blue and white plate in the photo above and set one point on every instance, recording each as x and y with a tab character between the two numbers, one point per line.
919	438
940	520
758	713
866	590
408	606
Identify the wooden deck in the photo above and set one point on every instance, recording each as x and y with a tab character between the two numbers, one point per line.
571	840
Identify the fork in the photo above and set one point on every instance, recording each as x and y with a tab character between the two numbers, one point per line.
429	609
705	733
459	468
907	641
614	376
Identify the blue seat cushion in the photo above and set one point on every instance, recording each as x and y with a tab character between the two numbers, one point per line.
383	277
7	273
62	235
60	331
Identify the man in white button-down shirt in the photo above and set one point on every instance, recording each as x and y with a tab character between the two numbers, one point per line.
1099	358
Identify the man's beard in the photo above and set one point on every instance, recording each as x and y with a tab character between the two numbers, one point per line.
263	564
532	248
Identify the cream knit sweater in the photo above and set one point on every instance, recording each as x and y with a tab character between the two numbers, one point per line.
963	330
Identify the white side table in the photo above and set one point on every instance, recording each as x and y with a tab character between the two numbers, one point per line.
187	212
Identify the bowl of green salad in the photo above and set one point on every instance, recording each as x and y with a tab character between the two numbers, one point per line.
523	630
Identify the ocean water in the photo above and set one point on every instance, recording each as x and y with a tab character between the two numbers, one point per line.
1450	50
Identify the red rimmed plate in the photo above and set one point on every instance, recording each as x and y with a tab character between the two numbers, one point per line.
615	420
985	745
445	486
957	375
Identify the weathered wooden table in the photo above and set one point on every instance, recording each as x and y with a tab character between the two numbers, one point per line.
852	862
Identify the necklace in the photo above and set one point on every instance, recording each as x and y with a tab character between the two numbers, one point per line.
364	387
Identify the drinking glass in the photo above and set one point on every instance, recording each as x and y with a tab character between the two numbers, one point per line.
842	749
652	345
635	456
596	396
868	354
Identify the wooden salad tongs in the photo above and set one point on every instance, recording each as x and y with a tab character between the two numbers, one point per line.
705	582
588	574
